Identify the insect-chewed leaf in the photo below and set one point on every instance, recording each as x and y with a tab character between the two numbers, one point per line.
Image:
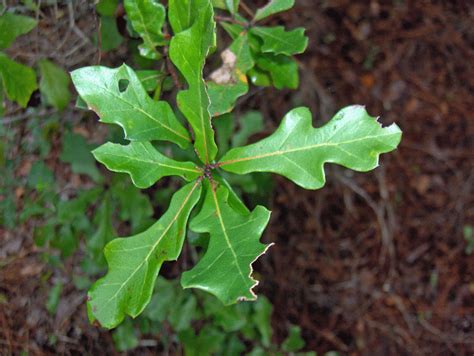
298	151
147	18
277	40
118	97
144	163
134	262
229	82
19	81
225	269
273	7
188	51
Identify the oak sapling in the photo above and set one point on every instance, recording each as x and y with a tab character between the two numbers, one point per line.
296	150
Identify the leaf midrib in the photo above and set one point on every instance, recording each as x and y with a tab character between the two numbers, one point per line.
197	84
282	39
298	149
151	162
145	28
226	237
140	110
155	245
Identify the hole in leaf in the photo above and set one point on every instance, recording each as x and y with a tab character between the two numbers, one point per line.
123	85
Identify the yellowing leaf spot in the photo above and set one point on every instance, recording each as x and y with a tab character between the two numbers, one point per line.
242	77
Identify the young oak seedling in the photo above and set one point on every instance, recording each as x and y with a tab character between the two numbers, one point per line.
296	150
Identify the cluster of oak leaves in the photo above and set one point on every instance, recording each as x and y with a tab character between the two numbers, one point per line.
296	150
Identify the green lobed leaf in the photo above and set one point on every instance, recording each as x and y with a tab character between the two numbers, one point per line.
144	163
230	82
134	262
225	269
233	30
232	5
298	151
219	4
294	342
118	97
283	70
54	84
12	26
147	18
261	78
107	7
273	7
270	68
19	81
182	13
234	200
278	41
110	37
262	320
188	51
279	70
150	79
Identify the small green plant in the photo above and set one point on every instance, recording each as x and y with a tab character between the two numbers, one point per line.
222	329
17	81
296	150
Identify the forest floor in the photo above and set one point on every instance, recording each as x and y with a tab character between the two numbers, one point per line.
372	263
